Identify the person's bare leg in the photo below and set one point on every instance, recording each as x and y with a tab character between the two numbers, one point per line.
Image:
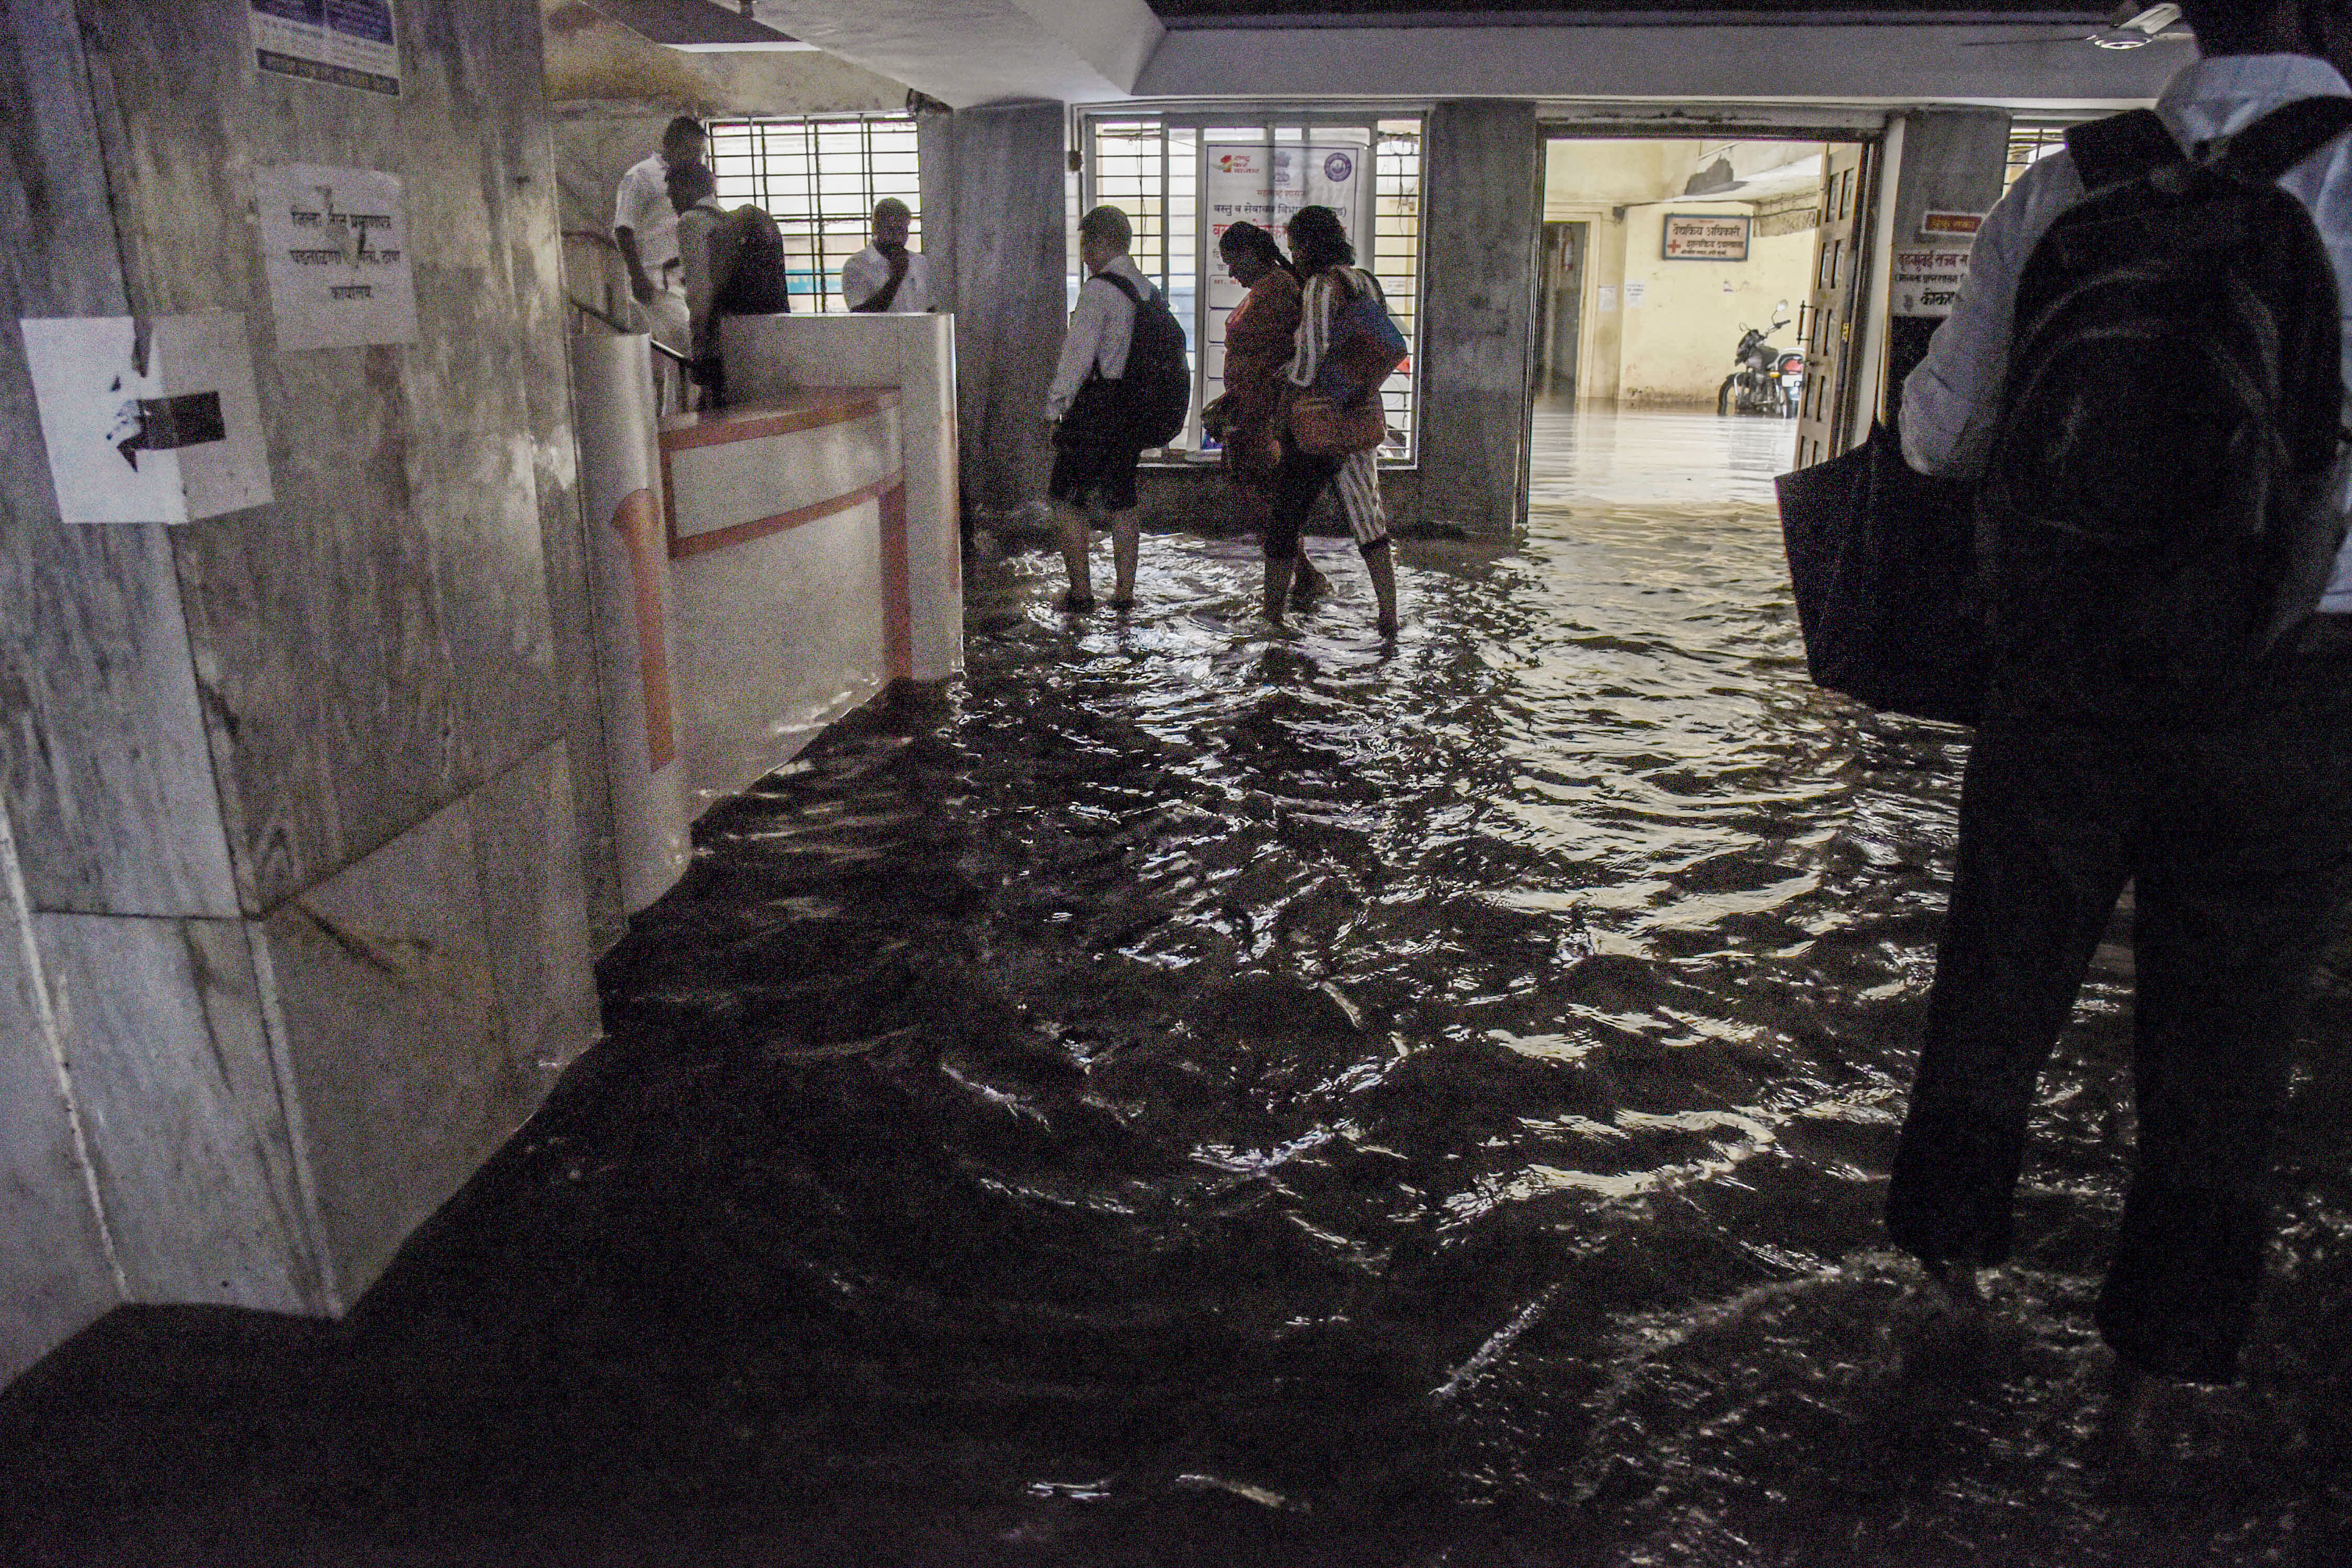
1306	581
1076	542
1278	586
1382	567
1125	539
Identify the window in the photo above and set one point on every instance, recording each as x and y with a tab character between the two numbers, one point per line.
819	179
2029	141
1170	173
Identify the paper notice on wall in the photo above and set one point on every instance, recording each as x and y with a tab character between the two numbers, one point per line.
1636	291
1256	182
1261	184
148	420
350	43
336	248
1607	297
1927	279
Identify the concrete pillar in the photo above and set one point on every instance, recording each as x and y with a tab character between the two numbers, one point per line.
1482	209
1953	160
294	886
992	195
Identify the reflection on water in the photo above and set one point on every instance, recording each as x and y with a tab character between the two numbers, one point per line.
1198	1094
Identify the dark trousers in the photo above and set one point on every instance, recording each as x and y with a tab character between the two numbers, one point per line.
2237	840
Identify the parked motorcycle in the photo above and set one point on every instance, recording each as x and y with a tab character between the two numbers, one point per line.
1769	380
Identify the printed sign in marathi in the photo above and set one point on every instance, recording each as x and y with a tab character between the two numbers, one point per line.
350	43
1706	236
337	256
1927	279
1954	226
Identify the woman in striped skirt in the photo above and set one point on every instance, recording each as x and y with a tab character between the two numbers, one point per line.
1319	248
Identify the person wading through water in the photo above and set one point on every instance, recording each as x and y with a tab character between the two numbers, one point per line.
1260	337
1325	260
2151	402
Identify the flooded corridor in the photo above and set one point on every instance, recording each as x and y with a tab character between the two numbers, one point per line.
1193	1093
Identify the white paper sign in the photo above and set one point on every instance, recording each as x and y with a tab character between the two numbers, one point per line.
1265	184
153	421
1607	297
336	248
1636	291
350	43
1927	278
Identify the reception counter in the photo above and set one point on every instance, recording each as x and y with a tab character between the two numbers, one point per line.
762	570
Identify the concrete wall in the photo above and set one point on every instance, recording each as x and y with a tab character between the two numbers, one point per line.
306	800
1953	161
1483	173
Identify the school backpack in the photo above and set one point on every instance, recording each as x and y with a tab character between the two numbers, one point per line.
1365	349
2157	509
1155	394
756	283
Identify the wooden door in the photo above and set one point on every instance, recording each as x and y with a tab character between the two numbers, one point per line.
1830	329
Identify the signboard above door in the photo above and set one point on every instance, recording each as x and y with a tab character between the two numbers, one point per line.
1706	236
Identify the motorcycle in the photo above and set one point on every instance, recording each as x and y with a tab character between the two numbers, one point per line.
1769	380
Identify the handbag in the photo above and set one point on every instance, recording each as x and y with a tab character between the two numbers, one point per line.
1883	561
1322	427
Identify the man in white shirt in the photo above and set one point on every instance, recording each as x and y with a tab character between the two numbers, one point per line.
644	226
885	276
1095	456
2237	833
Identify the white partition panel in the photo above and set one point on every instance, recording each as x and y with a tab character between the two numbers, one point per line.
621	499
768	355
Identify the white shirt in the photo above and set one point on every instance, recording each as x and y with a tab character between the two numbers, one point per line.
865	274
643	205
1099	331
1952	402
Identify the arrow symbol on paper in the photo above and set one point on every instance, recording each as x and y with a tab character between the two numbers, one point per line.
164	424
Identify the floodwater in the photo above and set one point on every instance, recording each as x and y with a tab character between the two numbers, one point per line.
1197	1094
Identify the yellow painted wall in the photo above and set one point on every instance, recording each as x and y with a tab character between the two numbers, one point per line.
1676	345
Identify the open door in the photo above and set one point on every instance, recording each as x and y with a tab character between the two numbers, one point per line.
1830	328
1563	321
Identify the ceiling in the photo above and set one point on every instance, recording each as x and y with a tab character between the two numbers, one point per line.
1183	14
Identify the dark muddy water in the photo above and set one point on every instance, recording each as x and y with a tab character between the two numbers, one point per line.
1195	1094
1231	1096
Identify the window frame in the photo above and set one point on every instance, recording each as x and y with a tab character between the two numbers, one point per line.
806	218
1196	121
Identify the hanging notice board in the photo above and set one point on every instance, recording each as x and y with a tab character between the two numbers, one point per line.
1706	236
349	43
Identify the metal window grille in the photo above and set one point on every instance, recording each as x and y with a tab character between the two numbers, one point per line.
1152	168
2029	141
819	179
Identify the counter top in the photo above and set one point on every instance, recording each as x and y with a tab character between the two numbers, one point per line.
801	409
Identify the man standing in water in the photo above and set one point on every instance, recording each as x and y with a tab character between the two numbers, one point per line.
2233	820
1095	456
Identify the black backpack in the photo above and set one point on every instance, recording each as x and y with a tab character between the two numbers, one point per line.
1155	394
757	284
2156	510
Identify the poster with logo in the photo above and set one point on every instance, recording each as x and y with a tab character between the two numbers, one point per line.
1264	184
336	253
349	43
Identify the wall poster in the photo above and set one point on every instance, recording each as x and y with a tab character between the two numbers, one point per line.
335	246
1264	182
1706	236
1928	277
350	43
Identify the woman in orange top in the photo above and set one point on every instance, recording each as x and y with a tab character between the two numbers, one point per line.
1260	336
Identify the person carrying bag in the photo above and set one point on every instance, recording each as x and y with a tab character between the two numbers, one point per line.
1334	423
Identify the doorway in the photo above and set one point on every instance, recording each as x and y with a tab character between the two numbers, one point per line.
1562	292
